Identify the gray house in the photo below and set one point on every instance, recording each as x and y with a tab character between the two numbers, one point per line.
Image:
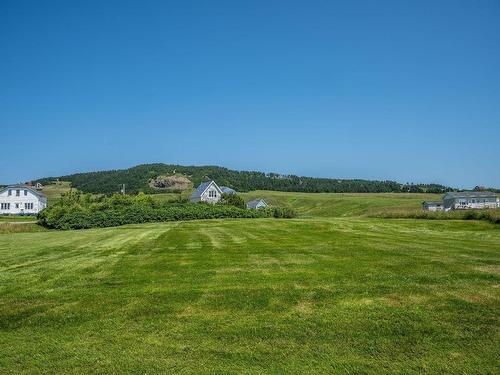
432	206
207	192
470	199
256	204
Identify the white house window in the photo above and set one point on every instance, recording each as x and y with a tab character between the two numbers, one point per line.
28	206
25	192
18	193
5	206
212	193
10	192
17	205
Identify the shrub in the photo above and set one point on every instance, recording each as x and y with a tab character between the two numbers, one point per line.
233	200
283	212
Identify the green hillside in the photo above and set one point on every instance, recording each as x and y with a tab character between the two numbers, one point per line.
320	295
140	178
344	204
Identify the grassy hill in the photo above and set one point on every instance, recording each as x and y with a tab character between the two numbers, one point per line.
319	295
142	178
342	204
54	190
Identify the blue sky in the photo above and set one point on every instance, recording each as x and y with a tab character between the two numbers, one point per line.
407	91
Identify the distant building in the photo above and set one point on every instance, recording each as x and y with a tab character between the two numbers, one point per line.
470	199
21	200
207	192
227	190
432	206
256	204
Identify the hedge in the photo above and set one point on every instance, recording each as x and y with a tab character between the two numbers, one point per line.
81	211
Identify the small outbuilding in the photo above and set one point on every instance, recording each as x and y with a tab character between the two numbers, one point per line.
432	206
256	204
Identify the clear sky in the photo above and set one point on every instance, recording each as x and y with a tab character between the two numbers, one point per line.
401	90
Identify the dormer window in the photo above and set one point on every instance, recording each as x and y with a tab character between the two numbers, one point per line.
212	194
10	192
18	192
25	192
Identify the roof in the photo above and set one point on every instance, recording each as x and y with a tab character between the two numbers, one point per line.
470	194
432	202
202	187
255	202
227	190
21	186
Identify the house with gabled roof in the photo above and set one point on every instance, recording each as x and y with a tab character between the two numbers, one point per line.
21	200
256	204
207	192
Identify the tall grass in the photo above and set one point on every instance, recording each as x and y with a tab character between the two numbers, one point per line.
20	228
491	215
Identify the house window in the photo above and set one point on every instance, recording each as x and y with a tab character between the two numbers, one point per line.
17	205
28	206
25	192
10	192
5	206
212	193
18	192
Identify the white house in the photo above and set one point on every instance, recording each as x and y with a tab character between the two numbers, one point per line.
21	200
470	199
256	204
207	192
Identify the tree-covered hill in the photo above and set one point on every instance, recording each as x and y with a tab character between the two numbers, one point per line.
138	179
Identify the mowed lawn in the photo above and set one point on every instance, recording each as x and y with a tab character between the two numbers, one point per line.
323	295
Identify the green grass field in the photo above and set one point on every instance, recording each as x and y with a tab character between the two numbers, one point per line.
341	204
331	292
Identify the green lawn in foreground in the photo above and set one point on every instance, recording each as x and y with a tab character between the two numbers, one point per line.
323	295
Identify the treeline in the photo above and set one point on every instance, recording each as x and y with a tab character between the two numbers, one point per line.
77	210
137	180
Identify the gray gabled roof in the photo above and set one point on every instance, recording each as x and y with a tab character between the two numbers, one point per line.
20	186
253	203
227	190
202	187
470	194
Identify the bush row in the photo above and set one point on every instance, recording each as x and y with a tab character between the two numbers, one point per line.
82	211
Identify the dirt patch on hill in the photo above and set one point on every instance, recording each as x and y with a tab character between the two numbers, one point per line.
171	183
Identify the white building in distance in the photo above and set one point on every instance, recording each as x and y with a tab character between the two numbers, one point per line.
207	192
21	200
